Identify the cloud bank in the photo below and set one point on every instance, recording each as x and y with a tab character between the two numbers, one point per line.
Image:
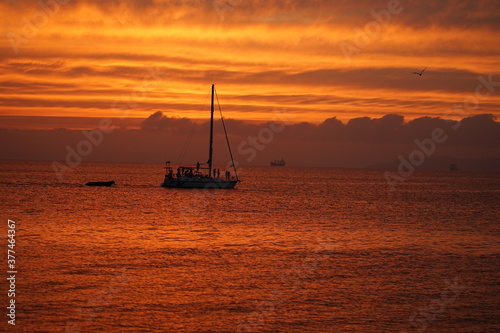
473	143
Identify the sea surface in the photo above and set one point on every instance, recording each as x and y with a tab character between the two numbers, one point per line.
288	250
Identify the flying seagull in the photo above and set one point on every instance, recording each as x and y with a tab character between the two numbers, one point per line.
420	73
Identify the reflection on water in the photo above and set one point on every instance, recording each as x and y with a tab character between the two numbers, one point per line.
289	250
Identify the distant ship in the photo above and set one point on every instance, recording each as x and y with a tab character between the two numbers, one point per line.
194	176
453	167
278	162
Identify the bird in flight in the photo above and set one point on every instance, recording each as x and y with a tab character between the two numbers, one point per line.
420	73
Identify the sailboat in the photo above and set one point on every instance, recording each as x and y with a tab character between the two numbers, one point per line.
199	176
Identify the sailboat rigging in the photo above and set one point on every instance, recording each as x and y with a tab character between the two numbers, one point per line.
193	176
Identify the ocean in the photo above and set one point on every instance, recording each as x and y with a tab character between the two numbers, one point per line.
289	250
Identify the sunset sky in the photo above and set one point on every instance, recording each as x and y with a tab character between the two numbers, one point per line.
317	59
69	63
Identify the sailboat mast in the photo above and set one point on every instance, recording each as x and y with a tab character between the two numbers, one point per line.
210	150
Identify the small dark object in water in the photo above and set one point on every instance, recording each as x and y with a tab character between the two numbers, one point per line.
100	183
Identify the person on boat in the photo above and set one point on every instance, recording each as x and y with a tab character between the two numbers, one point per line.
228	175
197	166
178	172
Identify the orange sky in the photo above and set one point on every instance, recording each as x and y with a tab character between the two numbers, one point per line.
131	58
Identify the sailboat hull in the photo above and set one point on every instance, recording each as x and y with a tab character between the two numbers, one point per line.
185	182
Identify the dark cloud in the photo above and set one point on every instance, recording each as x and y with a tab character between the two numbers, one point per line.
158	122
458	13
479	130
417	14
396	79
